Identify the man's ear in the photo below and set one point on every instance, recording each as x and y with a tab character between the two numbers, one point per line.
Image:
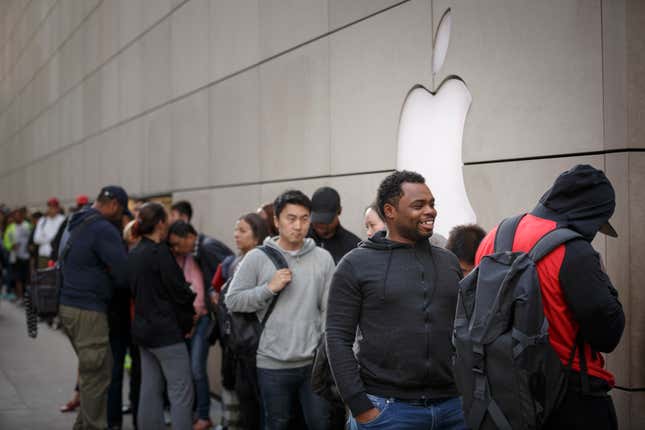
275	222
340	211
389	211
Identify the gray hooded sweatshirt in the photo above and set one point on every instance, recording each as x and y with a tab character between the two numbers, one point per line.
294	328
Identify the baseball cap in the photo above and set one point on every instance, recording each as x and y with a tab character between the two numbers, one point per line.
325	205
82	200
53	202
117	193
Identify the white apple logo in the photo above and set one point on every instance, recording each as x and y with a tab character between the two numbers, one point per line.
431	129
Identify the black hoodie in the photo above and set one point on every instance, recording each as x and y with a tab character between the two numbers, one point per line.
583	200
403	299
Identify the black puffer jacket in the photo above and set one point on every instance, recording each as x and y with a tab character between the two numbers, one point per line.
403	299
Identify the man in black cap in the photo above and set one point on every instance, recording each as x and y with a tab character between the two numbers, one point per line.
580	303
326	230
93	262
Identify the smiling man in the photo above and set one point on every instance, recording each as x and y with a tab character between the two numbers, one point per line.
401	292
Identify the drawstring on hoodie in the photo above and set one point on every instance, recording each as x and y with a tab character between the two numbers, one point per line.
387	272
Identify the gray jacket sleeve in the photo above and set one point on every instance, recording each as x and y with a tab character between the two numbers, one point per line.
248	292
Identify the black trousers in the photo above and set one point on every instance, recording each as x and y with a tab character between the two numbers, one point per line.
588	412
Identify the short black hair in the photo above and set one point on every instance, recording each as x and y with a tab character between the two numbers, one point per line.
293	197
464	240
181	229
183	207
390	190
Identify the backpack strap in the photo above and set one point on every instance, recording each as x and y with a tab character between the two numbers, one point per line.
279	262
506	233
550	241
73	235
275	256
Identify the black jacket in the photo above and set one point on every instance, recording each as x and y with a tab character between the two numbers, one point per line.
163	301
403	299
583	200
340	244
209	253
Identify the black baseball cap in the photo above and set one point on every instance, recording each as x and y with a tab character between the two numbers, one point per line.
325	205
117	193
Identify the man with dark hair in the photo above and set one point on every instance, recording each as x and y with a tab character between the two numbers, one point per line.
325	229
92	265
288	342
208	254
463	241
181	211
401	292
580	303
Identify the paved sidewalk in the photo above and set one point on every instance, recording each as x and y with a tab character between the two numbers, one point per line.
37	375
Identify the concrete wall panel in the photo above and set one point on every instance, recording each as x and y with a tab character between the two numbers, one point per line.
288	23
131	80
550	99
190	146
373	65
343	12
156	66
636	293
234	36
617	263
130	150
109	100
130	20
499	190
190	46
295	113
158	138
235	130
225	206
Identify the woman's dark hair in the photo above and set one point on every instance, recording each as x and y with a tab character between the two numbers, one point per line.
181	229
293	197
149	216
270	224
374	207
258	226
390	191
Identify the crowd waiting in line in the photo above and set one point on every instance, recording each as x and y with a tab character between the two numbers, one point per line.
147	284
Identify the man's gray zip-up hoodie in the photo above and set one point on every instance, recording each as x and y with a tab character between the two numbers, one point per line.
292	333
403	299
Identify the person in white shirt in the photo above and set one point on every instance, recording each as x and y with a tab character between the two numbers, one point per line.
46	230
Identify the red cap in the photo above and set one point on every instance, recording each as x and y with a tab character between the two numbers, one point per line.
53	202
82	200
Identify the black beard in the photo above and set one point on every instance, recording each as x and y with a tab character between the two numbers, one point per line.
412	234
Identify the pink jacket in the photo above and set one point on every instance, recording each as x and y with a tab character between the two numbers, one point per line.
194	276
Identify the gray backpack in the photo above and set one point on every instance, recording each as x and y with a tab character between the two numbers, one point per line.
507	372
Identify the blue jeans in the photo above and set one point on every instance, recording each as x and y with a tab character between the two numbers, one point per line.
397	415
279	390
198	360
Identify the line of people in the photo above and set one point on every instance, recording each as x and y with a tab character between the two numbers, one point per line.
382	310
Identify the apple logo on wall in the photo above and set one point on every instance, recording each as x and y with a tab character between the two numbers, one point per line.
431	129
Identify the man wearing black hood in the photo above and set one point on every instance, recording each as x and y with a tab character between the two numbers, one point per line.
401	292
580	303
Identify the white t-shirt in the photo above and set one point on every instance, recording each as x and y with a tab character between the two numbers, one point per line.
46	230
